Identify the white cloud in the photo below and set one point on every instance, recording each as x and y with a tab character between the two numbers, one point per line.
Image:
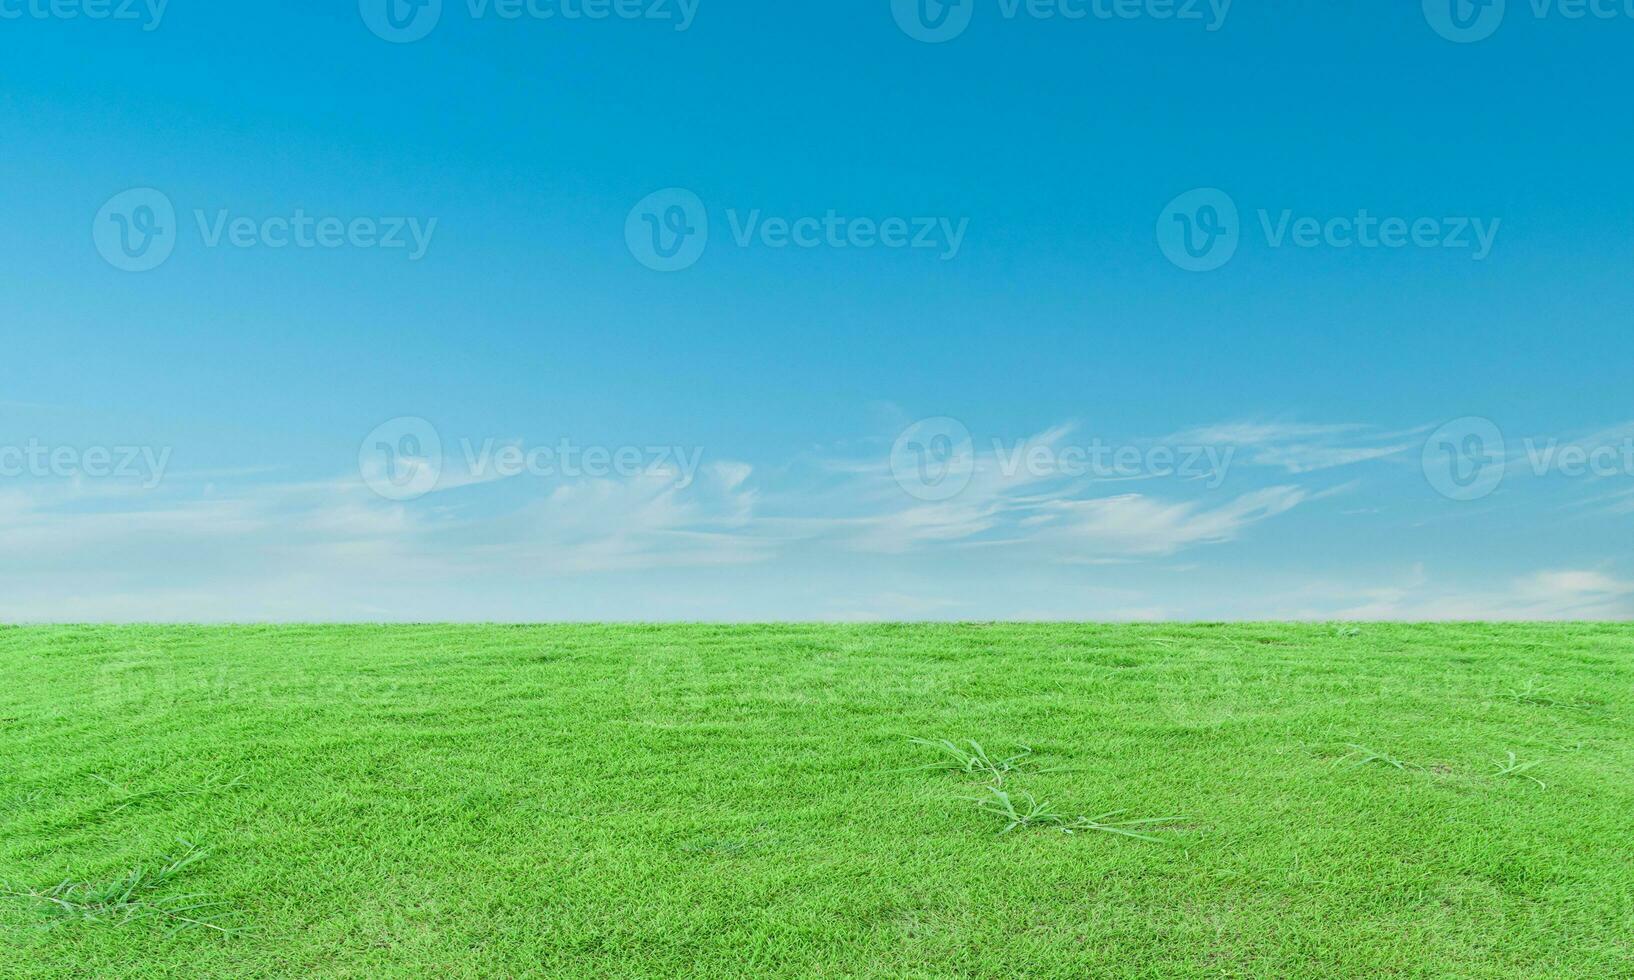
335	548
1545	595
643	522
891	521
245	545
1038	509
1139	526
1298	448
1266	433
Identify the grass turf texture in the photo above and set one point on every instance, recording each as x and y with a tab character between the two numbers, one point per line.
748	801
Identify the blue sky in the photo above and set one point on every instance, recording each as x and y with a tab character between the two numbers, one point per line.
1040	171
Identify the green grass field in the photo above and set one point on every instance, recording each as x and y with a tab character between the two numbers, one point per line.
749	801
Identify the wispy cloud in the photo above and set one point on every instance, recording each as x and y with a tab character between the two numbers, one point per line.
1132	525
1553	594
1298	448
1045	509
336	538
246	544
644	522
